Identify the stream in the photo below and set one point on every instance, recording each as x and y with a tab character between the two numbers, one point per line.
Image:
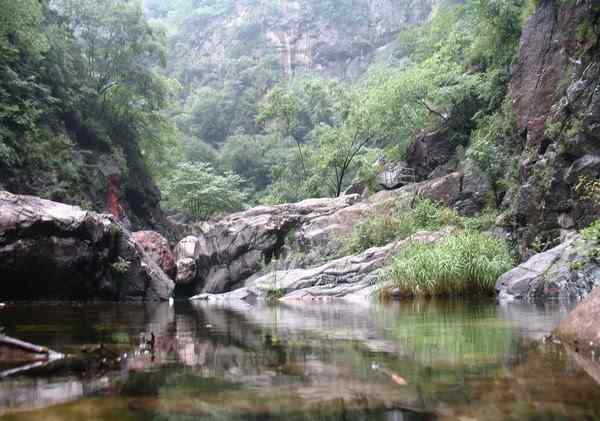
422	360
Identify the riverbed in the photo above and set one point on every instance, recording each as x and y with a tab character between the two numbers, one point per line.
447	360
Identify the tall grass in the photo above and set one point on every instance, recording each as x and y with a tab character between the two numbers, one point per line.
467	263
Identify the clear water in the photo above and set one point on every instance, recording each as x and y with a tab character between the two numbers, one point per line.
409	361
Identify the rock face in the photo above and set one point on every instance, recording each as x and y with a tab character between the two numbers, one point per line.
581	328
564	272
557	106
221	255
50	250
350	277
428	152
230	250
157	248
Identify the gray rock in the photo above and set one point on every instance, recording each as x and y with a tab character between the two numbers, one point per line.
567	271
49	250
395	174
232	249
351	277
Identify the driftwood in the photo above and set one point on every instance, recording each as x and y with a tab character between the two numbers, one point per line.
16	351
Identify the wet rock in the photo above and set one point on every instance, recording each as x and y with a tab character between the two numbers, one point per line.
556	107
157	247
565	272
49	250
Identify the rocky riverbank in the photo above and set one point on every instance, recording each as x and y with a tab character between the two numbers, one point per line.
53	251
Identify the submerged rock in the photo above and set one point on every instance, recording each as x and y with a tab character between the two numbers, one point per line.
49	250
567	271
581	328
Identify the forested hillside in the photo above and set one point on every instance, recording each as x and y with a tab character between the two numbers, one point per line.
227	104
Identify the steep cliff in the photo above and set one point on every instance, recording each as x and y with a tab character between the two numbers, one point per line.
556	98
330	38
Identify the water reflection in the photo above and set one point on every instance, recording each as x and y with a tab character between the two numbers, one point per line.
333	361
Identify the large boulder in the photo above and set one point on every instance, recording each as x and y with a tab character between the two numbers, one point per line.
429	151
581	328
351	278
228	251
568	271
157	247
49	250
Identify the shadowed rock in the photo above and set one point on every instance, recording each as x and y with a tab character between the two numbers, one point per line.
50	250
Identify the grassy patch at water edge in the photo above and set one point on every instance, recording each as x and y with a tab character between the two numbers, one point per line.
466	263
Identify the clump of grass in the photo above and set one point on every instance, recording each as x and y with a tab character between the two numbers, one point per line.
399	223
467	263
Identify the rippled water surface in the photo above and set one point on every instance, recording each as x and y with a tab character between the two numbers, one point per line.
409	361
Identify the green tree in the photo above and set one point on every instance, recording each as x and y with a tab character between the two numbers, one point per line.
198	191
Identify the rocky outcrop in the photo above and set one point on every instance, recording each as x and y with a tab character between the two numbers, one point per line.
430	151
581	328
228	251
568	271
157	248
49	250
222	254
557	107
351	277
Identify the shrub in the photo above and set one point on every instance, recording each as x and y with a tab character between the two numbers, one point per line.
400	222
200	192
465	263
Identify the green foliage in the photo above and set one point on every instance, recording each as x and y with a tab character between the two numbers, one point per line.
490	148
400	222
199	192
120	267
592	232
462	264
588	188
